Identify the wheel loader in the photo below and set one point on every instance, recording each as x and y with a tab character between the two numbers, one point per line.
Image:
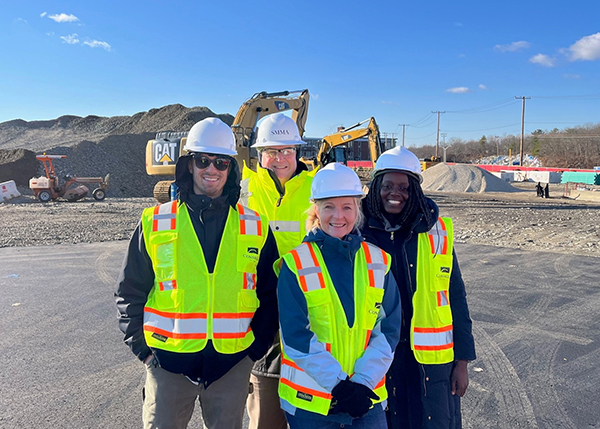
71	188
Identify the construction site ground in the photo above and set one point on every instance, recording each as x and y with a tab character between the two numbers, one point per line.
531	268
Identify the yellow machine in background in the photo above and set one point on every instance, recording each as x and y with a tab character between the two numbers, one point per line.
163	152
334	147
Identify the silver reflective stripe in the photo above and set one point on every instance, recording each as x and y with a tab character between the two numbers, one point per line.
309	270
285	225
164	216
249	217
381	266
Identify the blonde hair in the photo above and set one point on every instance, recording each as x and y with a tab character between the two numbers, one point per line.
313	223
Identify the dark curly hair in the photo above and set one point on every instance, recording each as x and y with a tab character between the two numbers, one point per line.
416	203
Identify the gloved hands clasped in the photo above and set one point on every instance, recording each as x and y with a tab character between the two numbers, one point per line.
352	398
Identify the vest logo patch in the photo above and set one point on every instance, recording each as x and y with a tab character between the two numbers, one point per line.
253	250
445	269
159	337
377	305
305	396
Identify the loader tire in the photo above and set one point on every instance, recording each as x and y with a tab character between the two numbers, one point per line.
44	196
99	194
162	191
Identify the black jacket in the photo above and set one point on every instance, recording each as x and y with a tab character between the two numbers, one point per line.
420	393
137	279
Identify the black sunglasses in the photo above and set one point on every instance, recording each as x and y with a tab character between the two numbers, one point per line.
203	161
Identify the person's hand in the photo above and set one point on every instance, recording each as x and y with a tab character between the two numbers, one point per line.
460	378
352	398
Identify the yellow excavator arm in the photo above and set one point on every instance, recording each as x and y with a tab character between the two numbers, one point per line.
334	146
257	107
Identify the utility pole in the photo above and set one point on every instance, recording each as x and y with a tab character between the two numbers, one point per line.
522	129
445	148
437	138
403	132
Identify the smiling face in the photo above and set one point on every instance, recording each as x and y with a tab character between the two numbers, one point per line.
208	181
337	216
284	166
394	192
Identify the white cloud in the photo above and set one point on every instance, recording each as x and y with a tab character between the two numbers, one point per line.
482	87
586	49
543	60
71	39
97	44
43	14
459	90
21	20
62	17
513	47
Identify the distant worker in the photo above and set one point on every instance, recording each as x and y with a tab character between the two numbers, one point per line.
429	373
339	314
280	189
196	295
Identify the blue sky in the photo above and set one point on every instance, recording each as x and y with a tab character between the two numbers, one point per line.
397	61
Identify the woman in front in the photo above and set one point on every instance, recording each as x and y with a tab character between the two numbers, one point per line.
429	373
339	313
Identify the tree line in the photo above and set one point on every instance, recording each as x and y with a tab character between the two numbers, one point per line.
577	147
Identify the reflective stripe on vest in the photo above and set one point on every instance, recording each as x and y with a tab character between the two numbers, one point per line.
221	305
285	225
309	271
432	331
164	218
175	325
249	221
371	265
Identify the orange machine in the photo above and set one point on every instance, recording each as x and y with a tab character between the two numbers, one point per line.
73	188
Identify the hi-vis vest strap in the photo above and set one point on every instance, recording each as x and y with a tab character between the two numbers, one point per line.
431	326
188	305
287	213
328	320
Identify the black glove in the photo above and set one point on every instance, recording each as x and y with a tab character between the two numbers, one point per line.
352	398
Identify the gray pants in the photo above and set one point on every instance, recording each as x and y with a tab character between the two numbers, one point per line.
170	399
263	404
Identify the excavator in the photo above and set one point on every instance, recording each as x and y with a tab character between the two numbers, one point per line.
163	152
334	147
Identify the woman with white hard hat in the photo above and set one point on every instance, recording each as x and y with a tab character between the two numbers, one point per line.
339	314
429	373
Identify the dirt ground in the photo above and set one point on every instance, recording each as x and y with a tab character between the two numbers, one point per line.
514	220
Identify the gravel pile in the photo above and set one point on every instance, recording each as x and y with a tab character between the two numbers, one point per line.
463	178
96	146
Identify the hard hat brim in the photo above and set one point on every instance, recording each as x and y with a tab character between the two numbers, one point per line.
258	145
210	149
419	177
333	194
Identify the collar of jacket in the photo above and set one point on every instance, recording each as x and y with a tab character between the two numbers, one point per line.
198	203
351	242
418	225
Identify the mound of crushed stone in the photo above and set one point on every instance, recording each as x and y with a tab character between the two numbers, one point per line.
463	178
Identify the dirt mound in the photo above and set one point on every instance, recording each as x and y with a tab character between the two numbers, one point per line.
19	165
95	146
463	178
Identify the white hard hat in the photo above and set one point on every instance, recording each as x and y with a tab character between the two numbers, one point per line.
277	130
335	180
211	135
398	159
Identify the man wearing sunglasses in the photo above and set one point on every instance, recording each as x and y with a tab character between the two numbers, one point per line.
197	292
280	189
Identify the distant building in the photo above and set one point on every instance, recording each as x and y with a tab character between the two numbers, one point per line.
358	150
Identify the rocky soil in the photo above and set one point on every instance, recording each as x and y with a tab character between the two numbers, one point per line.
516	220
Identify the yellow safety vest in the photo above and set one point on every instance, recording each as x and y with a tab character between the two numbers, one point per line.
431	326
287	214
328	320
187	305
